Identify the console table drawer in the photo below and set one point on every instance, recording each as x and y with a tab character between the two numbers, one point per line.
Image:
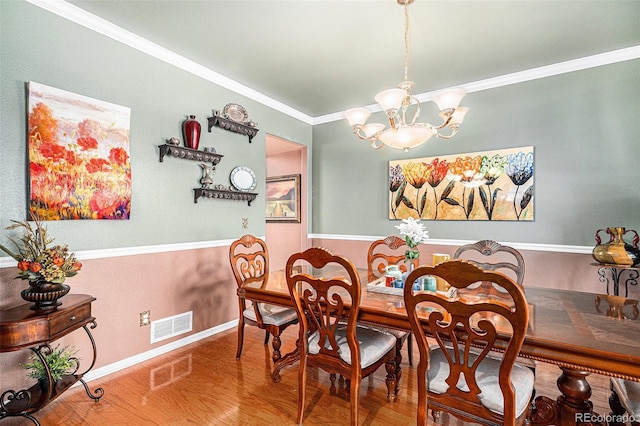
60	323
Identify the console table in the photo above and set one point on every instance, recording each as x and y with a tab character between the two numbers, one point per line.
23	328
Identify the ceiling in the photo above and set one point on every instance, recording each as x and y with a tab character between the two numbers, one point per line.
322	57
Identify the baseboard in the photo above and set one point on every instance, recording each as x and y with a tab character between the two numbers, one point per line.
145	356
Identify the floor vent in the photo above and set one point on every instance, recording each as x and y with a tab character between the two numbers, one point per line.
171	326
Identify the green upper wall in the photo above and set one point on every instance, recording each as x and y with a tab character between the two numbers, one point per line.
583	125
37	45
585	129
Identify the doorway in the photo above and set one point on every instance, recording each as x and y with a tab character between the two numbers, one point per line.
285	157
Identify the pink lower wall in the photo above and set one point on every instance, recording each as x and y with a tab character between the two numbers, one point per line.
168	284
567	271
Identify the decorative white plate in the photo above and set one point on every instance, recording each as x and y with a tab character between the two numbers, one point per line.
243	179
235	113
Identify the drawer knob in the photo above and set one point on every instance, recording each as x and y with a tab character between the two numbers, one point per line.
72	318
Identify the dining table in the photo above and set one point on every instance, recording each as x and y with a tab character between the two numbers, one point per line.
582	333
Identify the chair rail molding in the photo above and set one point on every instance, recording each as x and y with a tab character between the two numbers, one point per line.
8	262
557	248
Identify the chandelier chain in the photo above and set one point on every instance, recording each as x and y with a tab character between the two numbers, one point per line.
406	41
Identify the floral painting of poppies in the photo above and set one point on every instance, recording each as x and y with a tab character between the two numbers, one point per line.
79	164
492	185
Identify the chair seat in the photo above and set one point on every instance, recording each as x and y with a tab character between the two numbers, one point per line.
629	395
373	344
522	379
271	314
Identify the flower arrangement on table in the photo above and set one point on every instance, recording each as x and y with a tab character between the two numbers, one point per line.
414	234
38	262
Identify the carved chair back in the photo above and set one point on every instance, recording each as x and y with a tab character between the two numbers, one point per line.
493	256
322	302
385	252
249	257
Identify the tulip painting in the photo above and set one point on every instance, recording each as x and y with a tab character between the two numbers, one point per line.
79	164
492	185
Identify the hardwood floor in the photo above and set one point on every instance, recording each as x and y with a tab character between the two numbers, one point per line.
203	384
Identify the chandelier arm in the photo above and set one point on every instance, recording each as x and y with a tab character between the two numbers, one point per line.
359	132
376	143
446	121
454	129
415	116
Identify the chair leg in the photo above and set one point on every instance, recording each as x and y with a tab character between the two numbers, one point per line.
266	337
617	410
276	343
437	416
302	387
391	379
354	399
410	348
240	336
398	372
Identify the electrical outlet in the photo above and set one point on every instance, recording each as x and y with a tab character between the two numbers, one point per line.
145	318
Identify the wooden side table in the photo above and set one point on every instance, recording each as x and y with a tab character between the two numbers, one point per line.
23	328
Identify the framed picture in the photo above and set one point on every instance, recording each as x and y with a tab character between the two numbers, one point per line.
79	163
283	199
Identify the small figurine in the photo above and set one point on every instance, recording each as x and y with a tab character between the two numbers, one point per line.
207	178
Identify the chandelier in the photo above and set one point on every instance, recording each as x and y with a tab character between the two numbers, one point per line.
403	134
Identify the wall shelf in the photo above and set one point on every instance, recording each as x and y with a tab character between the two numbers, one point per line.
188	154
223	194
219	191
232	126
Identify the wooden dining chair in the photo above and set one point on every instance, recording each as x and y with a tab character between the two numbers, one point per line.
458	375
249	257
327	303
624	402
385	252
493	256
382	253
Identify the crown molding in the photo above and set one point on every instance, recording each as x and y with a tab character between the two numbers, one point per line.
106	28
621	55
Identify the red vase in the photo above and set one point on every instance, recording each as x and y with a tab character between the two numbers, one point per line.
191	132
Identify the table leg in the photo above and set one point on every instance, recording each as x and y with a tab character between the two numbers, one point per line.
572	407
289	359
